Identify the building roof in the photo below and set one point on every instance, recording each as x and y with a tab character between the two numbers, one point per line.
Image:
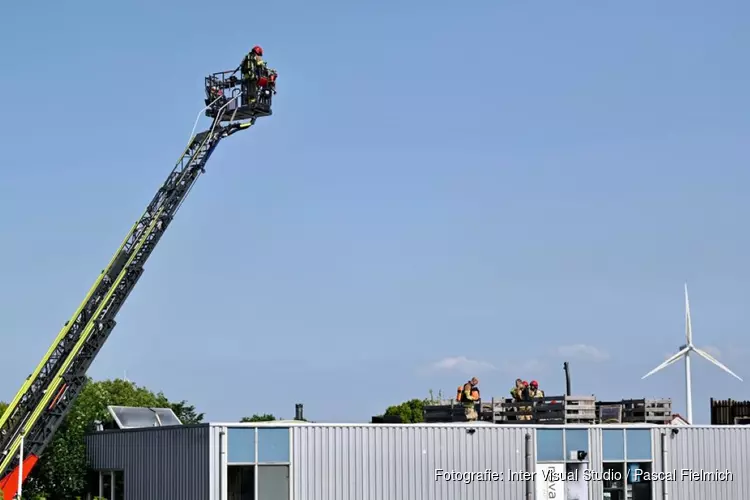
678	419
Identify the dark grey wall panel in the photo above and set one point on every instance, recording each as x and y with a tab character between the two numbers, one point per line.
169	463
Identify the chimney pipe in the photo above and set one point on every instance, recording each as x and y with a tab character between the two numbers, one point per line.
298	412
566	367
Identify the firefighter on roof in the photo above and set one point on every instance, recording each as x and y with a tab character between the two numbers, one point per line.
468	395
518	393
534	391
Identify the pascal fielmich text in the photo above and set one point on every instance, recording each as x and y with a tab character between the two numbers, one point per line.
641	475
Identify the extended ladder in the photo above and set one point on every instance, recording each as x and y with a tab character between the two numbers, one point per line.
46	396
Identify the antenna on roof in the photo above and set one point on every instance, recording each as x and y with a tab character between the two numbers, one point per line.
684	352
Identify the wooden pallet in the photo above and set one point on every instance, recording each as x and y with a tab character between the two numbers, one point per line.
651	411
550	410
446	412
557	410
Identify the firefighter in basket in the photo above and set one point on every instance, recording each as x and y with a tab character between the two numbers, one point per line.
258	80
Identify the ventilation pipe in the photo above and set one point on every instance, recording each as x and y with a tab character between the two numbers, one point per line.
298	412
566	368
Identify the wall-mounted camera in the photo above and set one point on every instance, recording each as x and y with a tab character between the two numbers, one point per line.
578	455
470	431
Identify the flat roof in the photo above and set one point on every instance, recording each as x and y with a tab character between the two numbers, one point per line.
421	425
297	423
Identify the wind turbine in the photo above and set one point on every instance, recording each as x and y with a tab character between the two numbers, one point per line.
685	351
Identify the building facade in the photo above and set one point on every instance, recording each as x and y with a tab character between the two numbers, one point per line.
302	461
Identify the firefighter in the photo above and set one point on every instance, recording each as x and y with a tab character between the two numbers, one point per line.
251	70
525	397
534	391
469	397
517	391
518	394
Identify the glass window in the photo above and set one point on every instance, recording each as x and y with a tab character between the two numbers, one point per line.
241	444
241	482
576	440
273	482
639	444
273	445
613	444
549	445
118	483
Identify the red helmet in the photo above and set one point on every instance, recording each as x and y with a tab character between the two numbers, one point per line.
534	383
526	384
257	50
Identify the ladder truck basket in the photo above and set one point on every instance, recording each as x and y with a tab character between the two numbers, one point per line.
244	100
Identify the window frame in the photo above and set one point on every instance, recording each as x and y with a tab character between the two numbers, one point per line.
626	460
257	463
564	430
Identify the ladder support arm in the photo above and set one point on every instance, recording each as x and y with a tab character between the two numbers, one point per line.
47	395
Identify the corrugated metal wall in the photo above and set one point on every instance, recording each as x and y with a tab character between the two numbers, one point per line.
595	463
398	463
657	460
164	464
707	449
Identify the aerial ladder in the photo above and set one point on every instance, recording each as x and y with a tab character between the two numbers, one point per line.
45	398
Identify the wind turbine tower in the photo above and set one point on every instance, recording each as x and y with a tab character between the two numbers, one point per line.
684	352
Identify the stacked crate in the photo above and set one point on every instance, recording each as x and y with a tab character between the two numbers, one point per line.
647	411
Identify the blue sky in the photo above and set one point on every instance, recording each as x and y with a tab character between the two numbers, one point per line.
442	192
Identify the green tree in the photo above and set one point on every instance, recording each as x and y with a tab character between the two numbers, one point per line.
265	417
3	407
186	413
61	471
412	411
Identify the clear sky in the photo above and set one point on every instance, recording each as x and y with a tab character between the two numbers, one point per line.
444	190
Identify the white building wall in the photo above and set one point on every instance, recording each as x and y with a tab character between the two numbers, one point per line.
706	449
399	462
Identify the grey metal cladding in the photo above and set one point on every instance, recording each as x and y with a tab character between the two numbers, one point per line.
595	462
167	463
400	462
707	449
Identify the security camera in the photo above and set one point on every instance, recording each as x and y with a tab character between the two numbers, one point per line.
578	455
470	431
675	432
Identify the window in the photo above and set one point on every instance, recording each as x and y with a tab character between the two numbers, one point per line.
613	445
273	445
118	485
576	440
638	444
273	482
549	445
105	488
241	482
613	480
627	458
109	485
637	487
241	444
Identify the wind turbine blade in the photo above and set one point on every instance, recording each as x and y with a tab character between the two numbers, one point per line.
716	362
669	361
688	322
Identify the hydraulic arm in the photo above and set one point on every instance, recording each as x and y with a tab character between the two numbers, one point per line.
46	396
